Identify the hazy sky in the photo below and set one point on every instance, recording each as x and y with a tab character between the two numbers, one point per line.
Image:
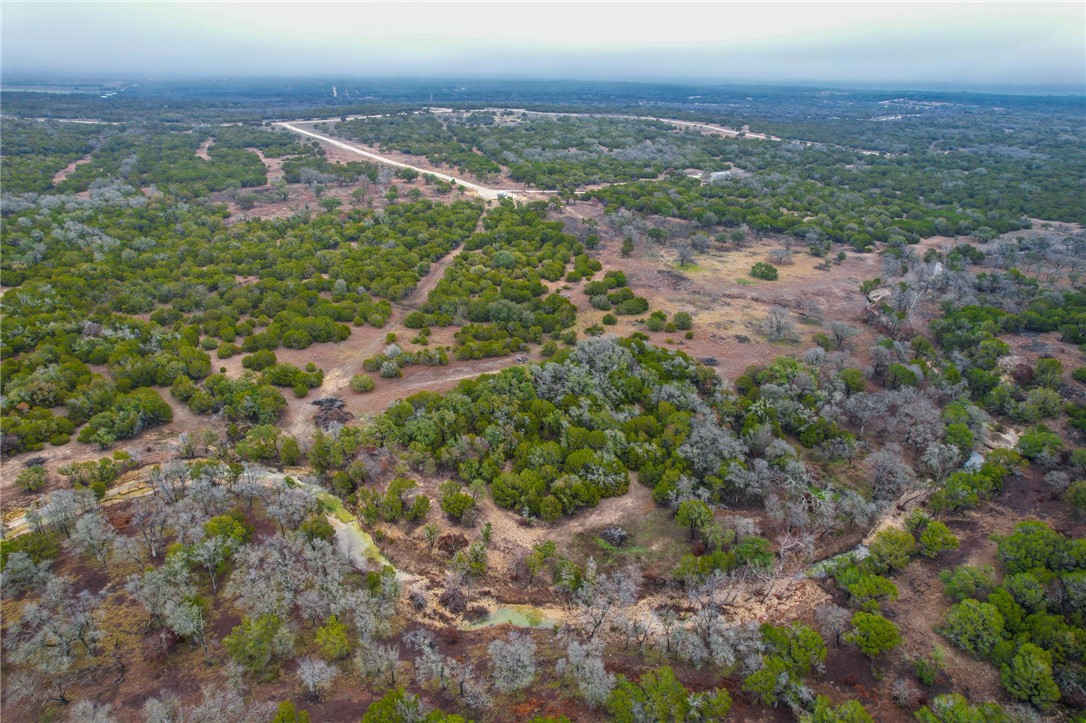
895	44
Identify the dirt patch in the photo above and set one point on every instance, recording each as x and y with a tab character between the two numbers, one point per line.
202	151
70	169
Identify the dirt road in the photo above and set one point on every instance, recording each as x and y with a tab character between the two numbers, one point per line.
489	194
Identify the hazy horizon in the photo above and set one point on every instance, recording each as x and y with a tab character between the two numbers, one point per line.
945	46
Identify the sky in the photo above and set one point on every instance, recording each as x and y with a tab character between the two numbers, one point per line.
883	44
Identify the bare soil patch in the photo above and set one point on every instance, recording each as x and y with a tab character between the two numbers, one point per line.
70	169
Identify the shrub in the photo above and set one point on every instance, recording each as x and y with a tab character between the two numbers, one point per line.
966	581
362	383
31	479
764	271
455	502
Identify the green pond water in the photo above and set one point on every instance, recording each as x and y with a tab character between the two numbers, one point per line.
521	616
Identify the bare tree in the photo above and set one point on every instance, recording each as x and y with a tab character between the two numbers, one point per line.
841	333
599	595
777	326
584	665
44	641
94	536
512	662
22	573
150	519
833	620
169	481
377	661
226	705
316	676
941	459
159	587
889	474
781	256
186	618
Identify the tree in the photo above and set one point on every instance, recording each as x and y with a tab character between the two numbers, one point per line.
873	634
512	662
891	550
777	326
770	683
842	333
583	664
94	536
597	595
187	620
867	590
332	639
1032	545
1028	676
693	514
660	696
396	706
975	626
1076	497
455	502
851	711
954	708
935	538
685	256
362	383
375	661
253	643
966	581
160	587
287	713
833	619
316	676
800	646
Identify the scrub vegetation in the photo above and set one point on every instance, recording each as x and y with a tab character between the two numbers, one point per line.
777	417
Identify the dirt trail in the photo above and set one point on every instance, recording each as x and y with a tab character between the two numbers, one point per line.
491	194
202	151
69	169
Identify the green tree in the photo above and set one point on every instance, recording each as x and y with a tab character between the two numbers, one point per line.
873	634
975	626
1028	677
771	682
693	514
253	643
935	538
333	640
455	502
798	645
287	713
954	708
1076	497
659	696
851	711
891	550
1033	545
966	581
